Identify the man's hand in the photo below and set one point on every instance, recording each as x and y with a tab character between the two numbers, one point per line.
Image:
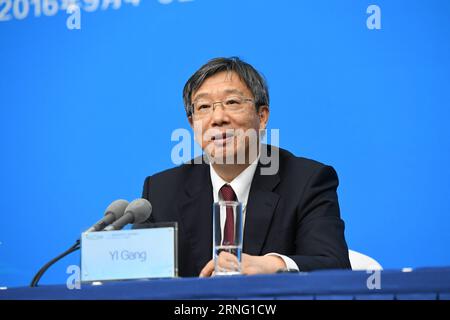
250	264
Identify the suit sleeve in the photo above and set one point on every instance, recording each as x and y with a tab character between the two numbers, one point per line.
145	195
146	189
320	241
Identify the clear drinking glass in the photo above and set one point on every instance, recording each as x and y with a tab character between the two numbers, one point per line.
231	244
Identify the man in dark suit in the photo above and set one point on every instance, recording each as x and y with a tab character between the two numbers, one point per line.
291	216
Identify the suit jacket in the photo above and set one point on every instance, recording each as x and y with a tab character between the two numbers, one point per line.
294	212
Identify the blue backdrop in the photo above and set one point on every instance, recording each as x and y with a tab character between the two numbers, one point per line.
87	114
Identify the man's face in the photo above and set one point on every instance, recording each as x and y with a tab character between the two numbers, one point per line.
223	132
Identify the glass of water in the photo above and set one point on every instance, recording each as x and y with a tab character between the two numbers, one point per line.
227	234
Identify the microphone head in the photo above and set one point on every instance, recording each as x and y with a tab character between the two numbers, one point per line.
140	209
117	208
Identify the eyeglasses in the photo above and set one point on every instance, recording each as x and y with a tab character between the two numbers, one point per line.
231	104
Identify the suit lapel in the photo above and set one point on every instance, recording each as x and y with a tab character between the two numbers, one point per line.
196	214
261	206
195	209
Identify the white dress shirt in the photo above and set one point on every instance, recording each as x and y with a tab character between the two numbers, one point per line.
241	186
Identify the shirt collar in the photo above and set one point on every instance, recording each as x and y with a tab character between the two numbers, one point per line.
241	184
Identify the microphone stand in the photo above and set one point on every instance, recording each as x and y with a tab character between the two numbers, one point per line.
40	273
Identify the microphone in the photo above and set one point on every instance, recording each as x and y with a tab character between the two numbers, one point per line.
114	211
137	211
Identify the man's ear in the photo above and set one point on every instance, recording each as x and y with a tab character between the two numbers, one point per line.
191	122
263	115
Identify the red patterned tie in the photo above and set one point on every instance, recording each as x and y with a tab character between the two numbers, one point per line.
228	194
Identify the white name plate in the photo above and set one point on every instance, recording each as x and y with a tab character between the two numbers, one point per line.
129	254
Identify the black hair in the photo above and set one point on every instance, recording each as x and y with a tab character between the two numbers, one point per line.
249	75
